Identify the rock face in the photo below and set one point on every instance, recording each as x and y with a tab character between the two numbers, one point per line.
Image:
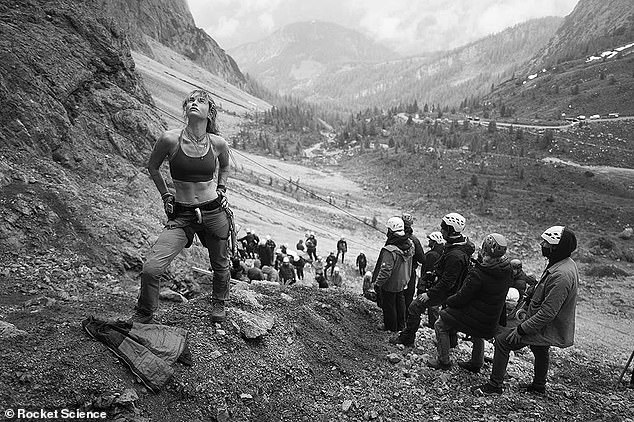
69	88
170	23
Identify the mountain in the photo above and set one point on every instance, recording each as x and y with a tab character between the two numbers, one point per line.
585	68
443	77
292	58
593	26
169	22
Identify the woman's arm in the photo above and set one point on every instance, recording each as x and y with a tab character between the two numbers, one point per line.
161	150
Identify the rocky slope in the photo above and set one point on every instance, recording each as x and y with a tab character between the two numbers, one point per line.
171	24
592	27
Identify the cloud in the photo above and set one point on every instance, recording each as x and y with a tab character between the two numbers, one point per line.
407	26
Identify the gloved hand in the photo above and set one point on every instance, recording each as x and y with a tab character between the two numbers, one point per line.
168	204
514	336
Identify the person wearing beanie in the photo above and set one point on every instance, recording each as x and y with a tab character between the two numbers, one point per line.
476	308
391	274
550	315
451	269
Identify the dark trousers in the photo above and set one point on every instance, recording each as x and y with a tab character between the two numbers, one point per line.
343	254
501	360
361	269
393	305
414	312
300	272
409	291
312	254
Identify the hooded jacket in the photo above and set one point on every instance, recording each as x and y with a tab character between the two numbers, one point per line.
394	266
550	319
476	308
451	270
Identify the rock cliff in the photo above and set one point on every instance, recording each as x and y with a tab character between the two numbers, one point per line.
170	23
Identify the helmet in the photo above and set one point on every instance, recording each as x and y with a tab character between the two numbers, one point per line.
436	237
248	230
516	264
396	225
286	245
336	269
553	235
360	252
494	245
286	259
456	221
319	258
268	237
407	218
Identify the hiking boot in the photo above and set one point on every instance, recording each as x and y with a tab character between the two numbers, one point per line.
218	313
141	317
529	387
485	390
469	366
436	364
399	340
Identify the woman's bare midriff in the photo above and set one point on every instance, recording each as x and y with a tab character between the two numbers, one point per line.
195	193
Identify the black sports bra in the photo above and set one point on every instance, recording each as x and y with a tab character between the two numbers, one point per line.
193	169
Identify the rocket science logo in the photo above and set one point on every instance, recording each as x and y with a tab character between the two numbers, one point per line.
56	414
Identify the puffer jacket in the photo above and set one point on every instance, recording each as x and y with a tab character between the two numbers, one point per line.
476	308
394	266
451	270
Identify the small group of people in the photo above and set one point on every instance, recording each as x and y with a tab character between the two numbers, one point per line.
469	295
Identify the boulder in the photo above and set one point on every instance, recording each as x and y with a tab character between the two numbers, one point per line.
8	330
626	234
171	295
252	325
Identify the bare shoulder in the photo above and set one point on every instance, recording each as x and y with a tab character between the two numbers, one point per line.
170	137
219	143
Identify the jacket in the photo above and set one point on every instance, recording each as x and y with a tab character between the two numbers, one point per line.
337	280
342	245
286	273
550	319
148	350
394	266
451	269
427	270
361	260
476	308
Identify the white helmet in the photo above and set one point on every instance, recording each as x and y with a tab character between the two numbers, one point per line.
455	220
336	269
396	225
553	235
436	237
268	237
513	295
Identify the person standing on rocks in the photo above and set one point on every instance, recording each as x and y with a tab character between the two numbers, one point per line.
337	279
476	308
199	166
451	269
419	257
287	272
342	248
428	278
391	274
362	262
550	318
331	261
264	253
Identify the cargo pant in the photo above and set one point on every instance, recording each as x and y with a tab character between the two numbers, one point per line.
178	234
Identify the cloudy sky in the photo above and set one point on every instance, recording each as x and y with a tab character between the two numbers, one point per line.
407	26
